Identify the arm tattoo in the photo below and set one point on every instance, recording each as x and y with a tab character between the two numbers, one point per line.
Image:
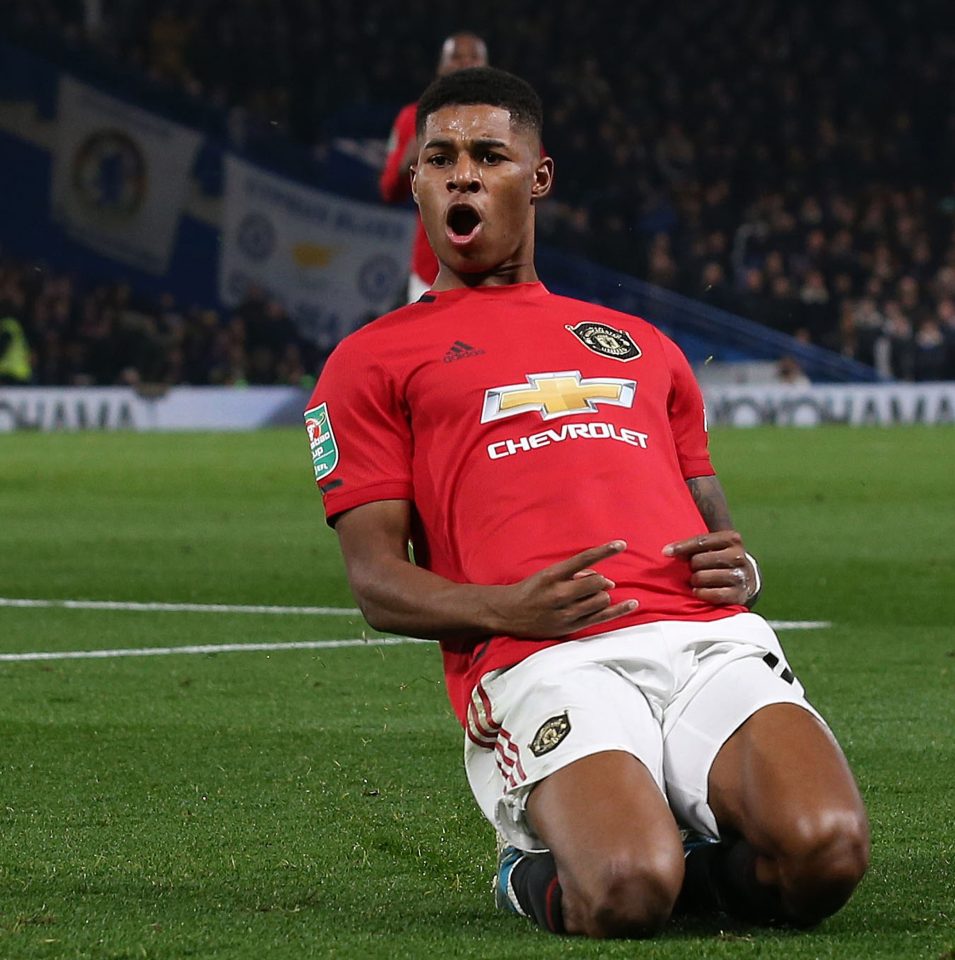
711	502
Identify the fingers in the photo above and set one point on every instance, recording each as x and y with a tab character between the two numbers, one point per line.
719	550
705	543
586	595
721	586
568	596
587	606
586	584
713	577
581	562
720	570
585	601
591	613
583	613
729	559
722	596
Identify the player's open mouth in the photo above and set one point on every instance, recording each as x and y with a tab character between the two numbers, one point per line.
463	223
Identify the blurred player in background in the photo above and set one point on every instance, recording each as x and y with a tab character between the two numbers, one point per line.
575	557
459	51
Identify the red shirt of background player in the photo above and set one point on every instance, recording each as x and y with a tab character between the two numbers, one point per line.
394	186
458	52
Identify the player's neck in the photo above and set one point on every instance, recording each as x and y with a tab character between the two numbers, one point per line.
504	275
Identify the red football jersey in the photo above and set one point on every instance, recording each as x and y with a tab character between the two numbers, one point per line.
394	185
524	427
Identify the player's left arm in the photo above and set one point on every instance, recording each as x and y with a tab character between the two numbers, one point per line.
722	571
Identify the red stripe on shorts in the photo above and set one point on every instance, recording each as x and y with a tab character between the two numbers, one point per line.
488	710
506	746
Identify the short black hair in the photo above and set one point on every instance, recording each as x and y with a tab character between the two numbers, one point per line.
488	85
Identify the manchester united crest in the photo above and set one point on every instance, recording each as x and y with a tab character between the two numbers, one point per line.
606	340
550	735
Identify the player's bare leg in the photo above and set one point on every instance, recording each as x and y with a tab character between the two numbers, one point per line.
782	785
619	859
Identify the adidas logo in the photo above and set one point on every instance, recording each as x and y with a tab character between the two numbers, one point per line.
459	350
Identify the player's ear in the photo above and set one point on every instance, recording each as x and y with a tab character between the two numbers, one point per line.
543	178
413	170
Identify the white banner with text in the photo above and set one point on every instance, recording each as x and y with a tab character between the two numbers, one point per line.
854	404
332	263
47	409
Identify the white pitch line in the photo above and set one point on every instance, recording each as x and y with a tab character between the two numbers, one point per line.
800	624
285	611
206	648
260	647
179	607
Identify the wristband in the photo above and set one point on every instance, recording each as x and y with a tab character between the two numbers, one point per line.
751	599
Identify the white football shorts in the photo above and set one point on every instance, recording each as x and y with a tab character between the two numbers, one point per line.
671	693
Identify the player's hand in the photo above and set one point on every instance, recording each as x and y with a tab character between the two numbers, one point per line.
562	598
720	570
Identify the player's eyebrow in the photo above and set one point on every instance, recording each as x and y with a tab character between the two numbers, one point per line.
481	142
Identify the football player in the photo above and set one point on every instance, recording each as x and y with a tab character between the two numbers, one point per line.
575	557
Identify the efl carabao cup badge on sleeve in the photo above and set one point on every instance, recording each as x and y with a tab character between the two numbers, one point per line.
321	438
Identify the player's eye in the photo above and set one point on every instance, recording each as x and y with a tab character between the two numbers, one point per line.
491	157
438	160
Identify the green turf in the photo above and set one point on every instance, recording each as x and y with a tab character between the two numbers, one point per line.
312	803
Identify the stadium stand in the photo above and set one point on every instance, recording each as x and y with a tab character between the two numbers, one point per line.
789	163
105	335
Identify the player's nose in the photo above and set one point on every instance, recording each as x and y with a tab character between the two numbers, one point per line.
463	176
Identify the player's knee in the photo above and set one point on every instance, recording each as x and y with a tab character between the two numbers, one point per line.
845	853
828	856
634	894
834	843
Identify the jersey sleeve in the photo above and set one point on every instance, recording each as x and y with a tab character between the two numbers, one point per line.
687	415
359	434
394	184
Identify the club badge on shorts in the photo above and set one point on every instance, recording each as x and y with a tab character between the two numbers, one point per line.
605	340
550	735
321	438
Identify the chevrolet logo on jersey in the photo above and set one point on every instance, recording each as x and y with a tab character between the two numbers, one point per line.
556	395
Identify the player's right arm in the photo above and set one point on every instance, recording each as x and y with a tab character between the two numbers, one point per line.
396	596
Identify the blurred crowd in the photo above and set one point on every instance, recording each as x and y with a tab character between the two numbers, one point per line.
105	335
792	161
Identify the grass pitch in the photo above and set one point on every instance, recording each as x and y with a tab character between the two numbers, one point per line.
311	803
